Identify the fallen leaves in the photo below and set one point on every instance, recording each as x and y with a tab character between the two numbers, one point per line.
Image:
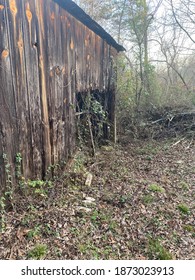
122	206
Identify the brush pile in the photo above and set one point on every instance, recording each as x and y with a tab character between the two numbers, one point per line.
167	123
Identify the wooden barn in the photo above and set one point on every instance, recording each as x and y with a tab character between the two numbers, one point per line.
50	51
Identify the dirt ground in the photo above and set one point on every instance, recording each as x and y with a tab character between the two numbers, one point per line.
139	205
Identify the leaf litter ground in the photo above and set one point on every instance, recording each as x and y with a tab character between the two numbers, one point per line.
140	205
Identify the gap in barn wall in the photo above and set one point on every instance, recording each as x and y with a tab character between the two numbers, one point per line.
94	105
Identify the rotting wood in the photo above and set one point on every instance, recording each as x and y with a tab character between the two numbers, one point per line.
91	134
47	56
89	180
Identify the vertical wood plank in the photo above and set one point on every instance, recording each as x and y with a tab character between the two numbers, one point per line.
15	34
42	26
8	116
30	37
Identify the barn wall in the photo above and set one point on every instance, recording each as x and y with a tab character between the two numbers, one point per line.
46	56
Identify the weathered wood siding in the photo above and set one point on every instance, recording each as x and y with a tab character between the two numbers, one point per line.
46	56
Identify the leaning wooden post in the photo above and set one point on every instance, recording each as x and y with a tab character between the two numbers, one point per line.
91	134
115	128
114	99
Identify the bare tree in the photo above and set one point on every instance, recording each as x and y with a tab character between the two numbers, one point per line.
184	14
171	46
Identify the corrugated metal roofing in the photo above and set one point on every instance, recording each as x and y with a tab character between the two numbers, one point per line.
79	14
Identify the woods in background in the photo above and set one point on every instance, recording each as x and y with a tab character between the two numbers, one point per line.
157	69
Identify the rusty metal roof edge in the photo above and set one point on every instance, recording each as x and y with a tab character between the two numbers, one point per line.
72	8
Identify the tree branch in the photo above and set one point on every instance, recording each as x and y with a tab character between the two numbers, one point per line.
180	25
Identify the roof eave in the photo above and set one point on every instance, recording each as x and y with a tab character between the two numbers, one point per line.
80	15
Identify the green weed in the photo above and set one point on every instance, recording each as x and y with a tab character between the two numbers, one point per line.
156	221
95	217
40	187
49	231
148	199
38	252
124	198
36	183
99	218
9	186
184	186
90	250
149	158
53	170
74	231
189	228
157	251
18	165
107	252
184	209
35	232
113	226
58	252
176	237
2	214
18	172
156	188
